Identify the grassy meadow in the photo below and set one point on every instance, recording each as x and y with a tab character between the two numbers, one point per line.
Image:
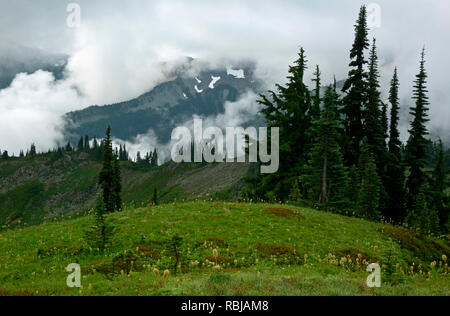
235	249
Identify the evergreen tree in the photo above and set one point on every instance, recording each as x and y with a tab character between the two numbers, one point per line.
328	178
106	177
374	132
315	110
86	143
80	144
423	218
117	185
100	233
32	151
124	155
288	109
416	146
355	87
5	155
68	147
21	155
95	145
154	161
384	123
395	206
294	195
148	157
120	157
368	204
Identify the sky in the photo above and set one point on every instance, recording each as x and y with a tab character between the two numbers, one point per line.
118	49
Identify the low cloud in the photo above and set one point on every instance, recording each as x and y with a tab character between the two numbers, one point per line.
31	110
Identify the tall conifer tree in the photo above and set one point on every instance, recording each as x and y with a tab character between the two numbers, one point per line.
355	87
289	109
416	146
373	124
315	109
117	184
395	206
106	176
327	177
370	187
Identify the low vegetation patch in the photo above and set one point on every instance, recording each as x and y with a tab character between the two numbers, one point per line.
422	247
284	212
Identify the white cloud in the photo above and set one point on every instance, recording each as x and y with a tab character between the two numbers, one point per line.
31	109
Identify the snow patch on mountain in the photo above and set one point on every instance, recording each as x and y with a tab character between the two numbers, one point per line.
197	89
237	73
196	86
213	82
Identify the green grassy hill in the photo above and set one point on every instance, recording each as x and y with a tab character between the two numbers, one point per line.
34	189
226	249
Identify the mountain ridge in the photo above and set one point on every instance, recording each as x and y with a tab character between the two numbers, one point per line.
166	106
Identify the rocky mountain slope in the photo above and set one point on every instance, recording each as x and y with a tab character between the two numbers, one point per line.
33	189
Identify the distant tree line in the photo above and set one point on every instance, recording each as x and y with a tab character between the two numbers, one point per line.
95	147
342	151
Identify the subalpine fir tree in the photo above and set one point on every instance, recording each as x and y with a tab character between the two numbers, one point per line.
117	184
86	143
99	235
423	218
295	194
373	120
328	178
395	173
289	109
32	151
384	123
315	107
80	144
416	146
368	205
106	177
355	87
154	160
